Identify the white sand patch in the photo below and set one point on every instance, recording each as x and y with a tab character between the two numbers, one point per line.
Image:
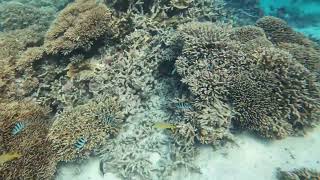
253	159
256	159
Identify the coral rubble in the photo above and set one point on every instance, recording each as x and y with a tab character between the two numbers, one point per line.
298	174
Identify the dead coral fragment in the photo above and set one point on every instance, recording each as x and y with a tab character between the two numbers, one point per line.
77	131
78	26
298	174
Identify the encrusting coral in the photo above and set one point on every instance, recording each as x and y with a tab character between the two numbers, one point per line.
78	131
38	160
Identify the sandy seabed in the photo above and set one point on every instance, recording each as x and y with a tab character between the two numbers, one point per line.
252	159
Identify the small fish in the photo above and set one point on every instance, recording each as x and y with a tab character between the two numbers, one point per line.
109	120
183	106
8	157
18	127
80	143
163	125
101	167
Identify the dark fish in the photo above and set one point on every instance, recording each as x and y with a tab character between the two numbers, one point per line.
18	127
101	167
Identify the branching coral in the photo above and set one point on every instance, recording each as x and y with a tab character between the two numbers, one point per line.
282	102
78	131
280	32
79	25
204	123
208	58
308	56
38	161
257	107
286	86
246	33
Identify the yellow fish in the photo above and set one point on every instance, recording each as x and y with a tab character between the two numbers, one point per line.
163	125
8	157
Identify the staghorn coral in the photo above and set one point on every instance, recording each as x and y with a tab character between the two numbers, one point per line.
38	161
298	174
79	25
208	58
206	123
86	121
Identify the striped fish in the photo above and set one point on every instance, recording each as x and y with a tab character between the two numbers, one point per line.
183	106
18	127
109	120
80	143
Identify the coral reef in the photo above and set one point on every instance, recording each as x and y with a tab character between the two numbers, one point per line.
277	30
77	131
104	73
79	25
298	174
15	15
38	160
214	67
308	56
207	53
